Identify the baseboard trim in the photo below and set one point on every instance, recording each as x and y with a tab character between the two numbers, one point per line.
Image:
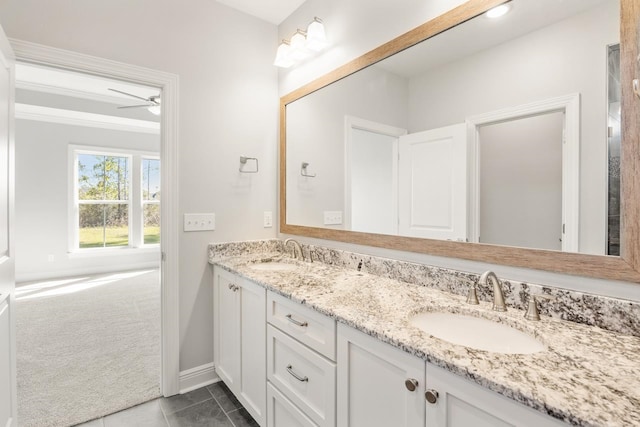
197	377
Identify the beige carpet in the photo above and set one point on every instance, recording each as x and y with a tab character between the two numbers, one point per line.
87	346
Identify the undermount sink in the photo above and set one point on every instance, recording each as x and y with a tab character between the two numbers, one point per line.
477	333
273	266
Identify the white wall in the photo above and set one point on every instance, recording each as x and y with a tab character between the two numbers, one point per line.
42	200
228	106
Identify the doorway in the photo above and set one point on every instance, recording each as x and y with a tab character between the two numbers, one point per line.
565	110
87	244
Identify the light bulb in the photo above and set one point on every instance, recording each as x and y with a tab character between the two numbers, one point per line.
316	37
298	49
283	59
498	11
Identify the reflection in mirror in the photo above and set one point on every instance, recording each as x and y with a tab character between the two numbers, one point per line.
614	133
423	143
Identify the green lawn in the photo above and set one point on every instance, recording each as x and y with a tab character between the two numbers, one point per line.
91	237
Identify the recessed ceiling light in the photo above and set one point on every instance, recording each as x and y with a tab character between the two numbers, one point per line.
498	11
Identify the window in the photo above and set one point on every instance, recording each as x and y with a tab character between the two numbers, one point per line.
151	200
116	200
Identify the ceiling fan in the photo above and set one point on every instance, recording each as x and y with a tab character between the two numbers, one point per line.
152	103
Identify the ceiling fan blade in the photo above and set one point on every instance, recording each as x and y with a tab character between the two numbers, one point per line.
137	106
128	94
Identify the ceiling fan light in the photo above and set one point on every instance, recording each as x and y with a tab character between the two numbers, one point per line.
283	59
155	109
316	37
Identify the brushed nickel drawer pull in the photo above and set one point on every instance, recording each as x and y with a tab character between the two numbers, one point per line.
233	287
296	322
296	376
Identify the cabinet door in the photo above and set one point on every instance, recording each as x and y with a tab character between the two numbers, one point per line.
371	389
253	358
226	337
283	413
462	403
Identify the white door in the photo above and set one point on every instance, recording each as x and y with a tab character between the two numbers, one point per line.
8	399
433	183
377	385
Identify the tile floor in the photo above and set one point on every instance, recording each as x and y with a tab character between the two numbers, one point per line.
211	406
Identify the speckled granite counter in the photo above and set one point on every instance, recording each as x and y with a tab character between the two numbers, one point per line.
587	376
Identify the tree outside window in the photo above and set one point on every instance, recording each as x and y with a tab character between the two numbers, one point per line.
103	199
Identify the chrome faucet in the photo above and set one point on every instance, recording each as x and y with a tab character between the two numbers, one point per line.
498	295
297	249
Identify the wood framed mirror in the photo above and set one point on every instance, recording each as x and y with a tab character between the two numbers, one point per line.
625	267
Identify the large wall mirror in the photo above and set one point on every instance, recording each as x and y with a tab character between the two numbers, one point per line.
511	140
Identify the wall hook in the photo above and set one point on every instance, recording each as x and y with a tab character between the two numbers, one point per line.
303	170
243	161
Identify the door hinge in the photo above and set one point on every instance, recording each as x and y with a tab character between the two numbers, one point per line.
610	131
564	228
163	256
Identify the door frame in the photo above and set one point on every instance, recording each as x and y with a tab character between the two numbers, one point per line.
351	123
169	226
570	105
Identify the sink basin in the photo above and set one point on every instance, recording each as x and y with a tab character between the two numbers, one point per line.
273	266
476	332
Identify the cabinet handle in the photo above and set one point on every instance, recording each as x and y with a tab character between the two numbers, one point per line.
296	322
431	396
296	376
233	287
411	384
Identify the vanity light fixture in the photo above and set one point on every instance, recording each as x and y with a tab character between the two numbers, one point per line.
498	11
302	45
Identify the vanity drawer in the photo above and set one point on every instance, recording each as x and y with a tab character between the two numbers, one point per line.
302	323
282	413
303	376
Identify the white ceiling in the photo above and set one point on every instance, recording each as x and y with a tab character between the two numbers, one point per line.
69	83
482	33
273	11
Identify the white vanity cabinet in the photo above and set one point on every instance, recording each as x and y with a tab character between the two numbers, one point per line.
380	385
374	382
240	339
462	403
301	369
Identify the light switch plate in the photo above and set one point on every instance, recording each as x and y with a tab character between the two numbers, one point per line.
268	219
332	217
199	222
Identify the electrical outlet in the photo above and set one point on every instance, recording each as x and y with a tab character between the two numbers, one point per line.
332	217
268	219
199	222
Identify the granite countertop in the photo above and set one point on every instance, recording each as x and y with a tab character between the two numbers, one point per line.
587	376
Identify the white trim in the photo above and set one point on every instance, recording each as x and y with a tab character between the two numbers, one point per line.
570	104
198	377
350	123
80	118
170	227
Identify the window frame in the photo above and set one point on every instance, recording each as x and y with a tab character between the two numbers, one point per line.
134	203
144	202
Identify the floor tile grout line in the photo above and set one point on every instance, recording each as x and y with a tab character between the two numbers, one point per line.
190	406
